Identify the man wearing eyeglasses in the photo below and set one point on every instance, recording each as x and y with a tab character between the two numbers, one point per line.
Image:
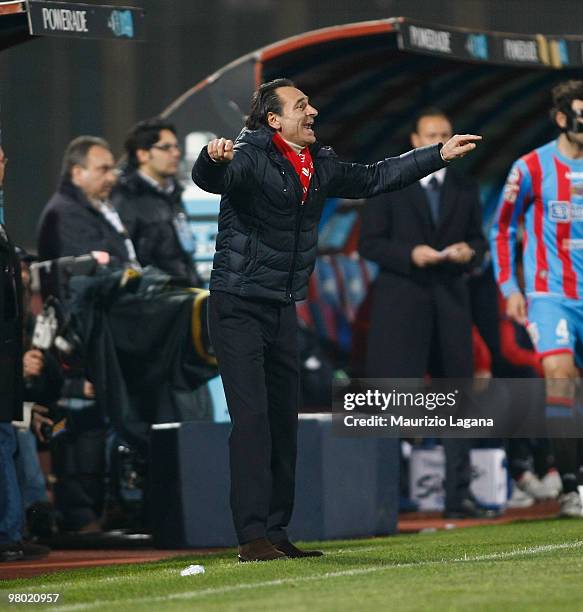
148	198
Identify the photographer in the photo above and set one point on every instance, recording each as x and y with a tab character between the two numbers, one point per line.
42	380
68	418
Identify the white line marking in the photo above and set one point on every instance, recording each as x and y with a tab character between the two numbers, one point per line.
150	566
533	550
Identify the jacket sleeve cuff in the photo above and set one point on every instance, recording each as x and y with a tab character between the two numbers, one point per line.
445	162
206	173
429	158
420	162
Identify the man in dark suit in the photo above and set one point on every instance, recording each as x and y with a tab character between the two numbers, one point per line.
424	238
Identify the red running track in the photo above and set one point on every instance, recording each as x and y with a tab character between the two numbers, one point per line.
414	522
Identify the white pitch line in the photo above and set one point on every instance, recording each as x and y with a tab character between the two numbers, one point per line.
232	565
533	550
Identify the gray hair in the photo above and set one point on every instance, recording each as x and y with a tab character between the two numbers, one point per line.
77	150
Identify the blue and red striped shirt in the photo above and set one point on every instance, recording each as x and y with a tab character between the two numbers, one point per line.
544	193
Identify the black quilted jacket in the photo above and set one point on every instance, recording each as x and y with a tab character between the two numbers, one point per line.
267	241
149	215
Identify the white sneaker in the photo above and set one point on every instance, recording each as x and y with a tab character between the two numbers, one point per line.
553	482
571	506
519	498
530	484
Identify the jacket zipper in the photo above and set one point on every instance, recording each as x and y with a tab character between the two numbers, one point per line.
299	215
298	189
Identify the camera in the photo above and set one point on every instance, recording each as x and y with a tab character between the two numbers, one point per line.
45	328
51	278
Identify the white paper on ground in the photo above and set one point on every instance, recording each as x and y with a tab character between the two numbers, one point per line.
192	570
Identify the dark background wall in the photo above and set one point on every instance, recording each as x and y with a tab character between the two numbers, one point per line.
52	90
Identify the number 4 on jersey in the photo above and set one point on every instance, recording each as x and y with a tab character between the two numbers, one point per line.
562	331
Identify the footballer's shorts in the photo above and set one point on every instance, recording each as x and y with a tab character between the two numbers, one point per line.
555	325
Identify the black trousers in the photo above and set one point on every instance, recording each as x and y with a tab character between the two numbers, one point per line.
410	345
255	342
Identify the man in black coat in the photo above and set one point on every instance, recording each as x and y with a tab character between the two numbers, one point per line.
274	181
79	218
424	238
148	198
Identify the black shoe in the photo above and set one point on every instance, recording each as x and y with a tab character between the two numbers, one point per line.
41	520
22	551
470	509
293	552
259	550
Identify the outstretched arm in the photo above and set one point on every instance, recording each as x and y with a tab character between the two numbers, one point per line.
368	180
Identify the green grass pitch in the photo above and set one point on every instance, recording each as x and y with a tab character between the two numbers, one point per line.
530	566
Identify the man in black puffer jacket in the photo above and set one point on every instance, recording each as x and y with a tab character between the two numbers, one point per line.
274	181
148	199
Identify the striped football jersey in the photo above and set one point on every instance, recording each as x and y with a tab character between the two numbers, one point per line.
544	194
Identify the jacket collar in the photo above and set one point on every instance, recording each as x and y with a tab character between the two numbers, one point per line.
263	139
71	191
131	181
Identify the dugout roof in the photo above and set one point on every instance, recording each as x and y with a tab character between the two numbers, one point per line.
369	79
13	24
